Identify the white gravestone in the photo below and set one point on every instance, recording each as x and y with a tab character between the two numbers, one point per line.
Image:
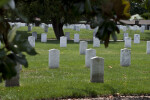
29	28
31	40
97	70
127	42
35	35
88	27
83	47
46	28
125	35
89	54
14	81
136	38
125	57
54	56
63	41
124	29
43	37
148	47
77	28
142	29
96	42
67	34
0	44
76	38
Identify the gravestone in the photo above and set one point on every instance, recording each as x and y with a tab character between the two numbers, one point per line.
97	70
35	35
29	27
88	55
125	57
142	29
136	38
63	41
88	27
54	56
31	40
77	28
125	35
96	42
127	42
0	44
67	34
124	29
14	81
76	38
148	47
83	47
43	37
46	28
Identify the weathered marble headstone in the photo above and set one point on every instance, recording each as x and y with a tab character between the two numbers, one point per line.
14	81
127	42
29	27
96	42
88	55
31	40
76	38
46	28
136	38
43	37
97	70
83	47
63	41
125	35
54	56
35	35
125	57
148	47
67	34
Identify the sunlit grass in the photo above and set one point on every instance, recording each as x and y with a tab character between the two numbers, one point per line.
72	78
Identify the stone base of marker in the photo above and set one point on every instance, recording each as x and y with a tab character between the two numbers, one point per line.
89	54
83	47
14	81
54	56
125	57
148	47
97	70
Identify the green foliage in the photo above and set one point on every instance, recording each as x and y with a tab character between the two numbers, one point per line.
146	15
11	51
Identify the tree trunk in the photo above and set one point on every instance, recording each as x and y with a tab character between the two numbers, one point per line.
58	28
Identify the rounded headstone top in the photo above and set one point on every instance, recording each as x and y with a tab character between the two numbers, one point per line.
96	57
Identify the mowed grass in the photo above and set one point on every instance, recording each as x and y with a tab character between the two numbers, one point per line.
72	78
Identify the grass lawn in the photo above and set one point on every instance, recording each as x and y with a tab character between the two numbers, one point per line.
72	78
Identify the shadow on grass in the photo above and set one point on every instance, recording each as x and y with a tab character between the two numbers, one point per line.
26	34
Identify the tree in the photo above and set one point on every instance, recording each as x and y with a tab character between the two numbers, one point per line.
13	45
60	12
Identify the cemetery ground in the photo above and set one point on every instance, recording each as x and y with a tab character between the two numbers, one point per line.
72	78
